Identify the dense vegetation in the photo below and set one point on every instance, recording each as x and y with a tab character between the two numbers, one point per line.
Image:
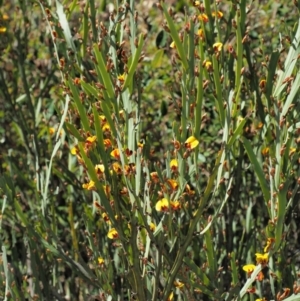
149	150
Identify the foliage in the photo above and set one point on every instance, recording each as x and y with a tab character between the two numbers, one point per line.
149	150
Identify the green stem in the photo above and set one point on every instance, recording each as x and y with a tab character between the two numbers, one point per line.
181	253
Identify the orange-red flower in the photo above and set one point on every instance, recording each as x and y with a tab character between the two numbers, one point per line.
107	143
262	83
115	153
203	17
154	176
173	184
175	205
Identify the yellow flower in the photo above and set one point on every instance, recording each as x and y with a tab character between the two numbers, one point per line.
89	186
200	33
91	139
208	65
261	299
174	165
259	125
162	205
106	189
74	150
175	205
203	17
171	297
102	118
51	131
3	29
270	241
106	218
140	144
152	227
292	151
115	153
5	17
217	47
191	142
189	190
178	284
173	184
172	45
112	234
122	77
117	168
105	127
99	169
249	268
262	258
217	14
100	261
265	151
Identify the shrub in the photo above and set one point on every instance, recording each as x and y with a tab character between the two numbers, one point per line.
152	153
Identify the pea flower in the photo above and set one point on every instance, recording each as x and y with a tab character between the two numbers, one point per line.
162	205
174	165
218	47
178	284
112	234
115	153
217	14
89	186
152	227
203	17
100	261
262	258
191	142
